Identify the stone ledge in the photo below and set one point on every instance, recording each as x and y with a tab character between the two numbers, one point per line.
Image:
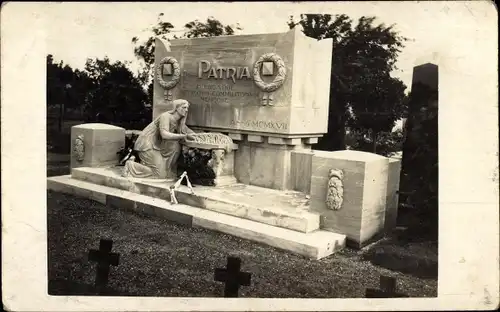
314	245
247	132
258	205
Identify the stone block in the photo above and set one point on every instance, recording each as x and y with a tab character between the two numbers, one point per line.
255	138
311	140
96	145
301	170
363	195
293	141
267	68
167	69
236	136
217	78
276	141
391	212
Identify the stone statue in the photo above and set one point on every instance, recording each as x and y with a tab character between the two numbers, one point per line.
158	145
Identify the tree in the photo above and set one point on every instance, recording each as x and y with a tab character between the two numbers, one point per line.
116	95
377	101
145	51
211	28
363	95
388	143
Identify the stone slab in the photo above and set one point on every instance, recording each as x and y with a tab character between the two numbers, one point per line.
217	78
315	245
101	143
287	209
362	215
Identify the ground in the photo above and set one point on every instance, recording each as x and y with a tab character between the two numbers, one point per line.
161	258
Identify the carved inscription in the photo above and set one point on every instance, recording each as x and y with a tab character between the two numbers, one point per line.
260	124
217	93
221	72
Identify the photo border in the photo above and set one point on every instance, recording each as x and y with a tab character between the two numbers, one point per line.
468	169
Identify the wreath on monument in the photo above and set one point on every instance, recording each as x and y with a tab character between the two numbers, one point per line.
176	76
280	77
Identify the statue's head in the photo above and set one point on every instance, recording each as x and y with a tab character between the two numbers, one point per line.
181	107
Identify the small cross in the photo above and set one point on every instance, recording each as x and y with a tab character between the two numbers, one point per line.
232	277
387	289
104	258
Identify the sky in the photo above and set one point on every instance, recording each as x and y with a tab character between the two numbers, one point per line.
77	31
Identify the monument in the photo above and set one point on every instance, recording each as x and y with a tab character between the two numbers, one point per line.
248	108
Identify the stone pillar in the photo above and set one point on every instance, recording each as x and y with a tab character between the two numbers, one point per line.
96	145
350	189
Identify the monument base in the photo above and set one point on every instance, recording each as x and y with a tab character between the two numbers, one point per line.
274	218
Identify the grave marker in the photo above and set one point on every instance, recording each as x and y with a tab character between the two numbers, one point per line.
387	289
232	277
104	258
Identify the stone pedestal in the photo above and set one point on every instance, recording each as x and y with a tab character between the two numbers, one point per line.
96	145
357	201
266	161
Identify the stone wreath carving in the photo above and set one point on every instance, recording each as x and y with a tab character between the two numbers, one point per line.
79	148
214	138
335	193
267	88
176	76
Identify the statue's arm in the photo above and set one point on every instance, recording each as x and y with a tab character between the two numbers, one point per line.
188	131
165	133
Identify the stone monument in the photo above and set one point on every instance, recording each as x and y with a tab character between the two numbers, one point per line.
254	106
269	93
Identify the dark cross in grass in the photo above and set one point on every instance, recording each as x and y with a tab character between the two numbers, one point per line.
387	289
232	277
104	258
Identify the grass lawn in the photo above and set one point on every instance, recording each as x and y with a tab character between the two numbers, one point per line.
160	258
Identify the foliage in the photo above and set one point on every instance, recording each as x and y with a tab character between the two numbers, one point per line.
363	95
116	95
388	142
210	28
65	85
144	51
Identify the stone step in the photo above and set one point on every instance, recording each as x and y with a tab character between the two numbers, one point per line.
286	209
314	245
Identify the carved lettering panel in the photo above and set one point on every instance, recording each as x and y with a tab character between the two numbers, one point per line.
219	78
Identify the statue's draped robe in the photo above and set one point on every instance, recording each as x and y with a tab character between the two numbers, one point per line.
158	156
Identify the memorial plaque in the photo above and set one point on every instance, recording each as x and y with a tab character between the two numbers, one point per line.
252	83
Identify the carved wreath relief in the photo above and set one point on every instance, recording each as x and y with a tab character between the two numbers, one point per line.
268	88
79	148
335	193
176	76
